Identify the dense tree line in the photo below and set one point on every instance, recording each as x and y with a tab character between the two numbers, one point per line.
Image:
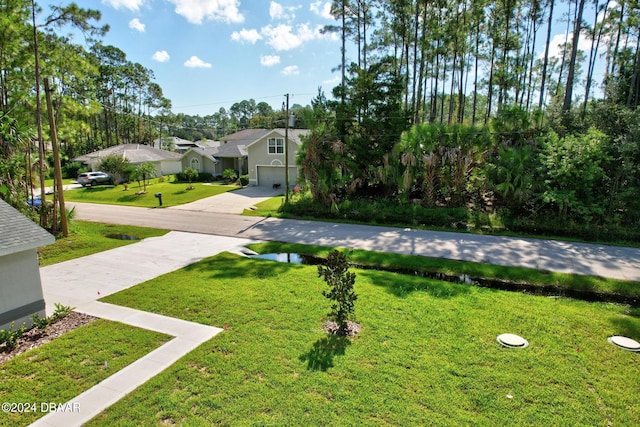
451	105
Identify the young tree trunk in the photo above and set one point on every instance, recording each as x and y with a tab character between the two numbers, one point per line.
568	93
545	63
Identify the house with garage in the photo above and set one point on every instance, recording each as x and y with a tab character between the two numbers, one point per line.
20	286
256	152
166	162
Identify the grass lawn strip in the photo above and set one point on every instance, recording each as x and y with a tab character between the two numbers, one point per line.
86	238
457	268
173	194
427	354
70	364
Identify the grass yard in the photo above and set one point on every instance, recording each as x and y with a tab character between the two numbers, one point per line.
86	238
427	354
532	276
69	365
267	208
173	194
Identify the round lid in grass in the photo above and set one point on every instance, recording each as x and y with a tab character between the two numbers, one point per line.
625	343
512	341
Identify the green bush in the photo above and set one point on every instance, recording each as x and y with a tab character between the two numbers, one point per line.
9	338
381	212
244	180
71	170
202	177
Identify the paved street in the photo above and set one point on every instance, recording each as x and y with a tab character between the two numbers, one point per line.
588	259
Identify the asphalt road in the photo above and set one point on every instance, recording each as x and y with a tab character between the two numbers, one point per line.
551	255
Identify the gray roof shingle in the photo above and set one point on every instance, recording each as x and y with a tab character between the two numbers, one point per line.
18	233
135	153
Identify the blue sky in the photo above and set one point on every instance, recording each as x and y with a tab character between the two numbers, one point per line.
208	54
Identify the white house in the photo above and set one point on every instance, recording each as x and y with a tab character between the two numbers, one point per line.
20	286
166	162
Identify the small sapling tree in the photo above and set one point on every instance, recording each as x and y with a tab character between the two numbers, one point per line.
336	274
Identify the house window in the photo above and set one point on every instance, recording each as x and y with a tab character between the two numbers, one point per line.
276	146
195	164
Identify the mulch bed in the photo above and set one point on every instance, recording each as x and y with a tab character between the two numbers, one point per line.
37	337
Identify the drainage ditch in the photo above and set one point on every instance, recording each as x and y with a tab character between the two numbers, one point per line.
503	285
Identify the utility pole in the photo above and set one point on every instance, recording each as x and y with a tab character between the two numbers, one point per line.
286	153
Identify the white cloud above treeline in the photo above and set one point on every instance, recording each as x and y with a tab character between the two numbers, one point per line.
322	9
197	11
195	62
125	4
269	60
278	11
135	24
291	70
161	56
244	35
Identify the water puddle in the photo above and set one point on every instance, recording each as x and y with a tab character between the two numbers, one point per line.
503	285
122	236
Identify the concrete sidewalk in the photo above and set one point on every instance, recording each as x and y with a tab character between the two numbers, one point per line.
80	282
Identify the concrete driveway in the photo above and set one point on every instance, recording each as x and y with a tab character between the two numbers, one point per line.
231	202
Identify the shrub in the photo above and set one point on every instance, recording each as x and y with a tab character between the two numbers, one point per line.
39	322
71	170
9	338
336	274
244	180
60	312
230	175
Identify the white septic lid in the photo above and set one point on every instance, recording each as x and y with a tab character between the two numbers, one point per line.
624	342
512	341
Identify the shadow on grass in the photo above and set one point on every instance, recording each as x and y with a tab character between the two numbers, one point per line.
227	265
627	326
320	357
402	285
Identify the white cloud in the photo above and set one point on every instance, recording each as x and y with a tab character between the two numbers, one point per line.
250	36
283	38
125	4
195	11
333	81
269	60
291	70
195	62
322	9
555	46
161	56
278	11
135	24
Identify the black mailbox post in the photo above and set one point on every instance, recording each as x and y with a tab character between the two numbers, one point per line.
159	197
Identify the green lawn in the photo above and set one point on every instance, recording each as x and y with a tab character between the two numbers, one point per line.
86	238
173	194
69	365
427	354
531	276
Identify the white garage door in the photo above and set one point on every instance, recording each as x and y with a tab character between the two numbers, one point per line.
269	175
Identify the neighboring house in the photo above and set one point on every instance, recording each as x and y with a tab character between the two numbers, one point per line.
214	160
257	152
166	162
20	286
